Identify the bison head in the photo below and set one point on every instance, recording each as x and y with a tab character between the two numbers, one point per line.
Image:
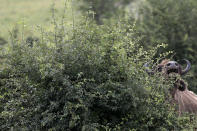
167	67
185	100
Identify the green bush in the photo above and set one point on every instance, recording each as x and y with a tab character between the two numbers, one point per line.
87	77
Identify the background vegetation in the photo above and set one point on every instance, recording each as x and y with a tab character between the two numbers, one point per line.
83	69
16	13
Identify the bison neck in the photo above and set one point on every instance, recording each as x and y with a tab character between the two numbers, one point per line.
186	100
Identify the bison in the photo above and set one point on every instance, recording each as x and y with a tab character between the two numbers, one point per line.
185	99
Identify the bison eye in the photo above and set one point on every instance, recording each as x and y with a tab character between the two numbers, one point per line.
159	69
168	64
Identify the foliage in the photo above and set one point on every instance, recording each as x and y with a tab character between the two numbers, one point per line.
2	41
88	77
104	9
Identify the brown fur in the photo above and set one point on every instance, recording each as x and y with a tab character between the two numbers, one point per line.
163	62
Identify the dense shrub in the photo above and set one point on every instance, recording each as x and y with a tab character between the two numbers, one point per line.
88	77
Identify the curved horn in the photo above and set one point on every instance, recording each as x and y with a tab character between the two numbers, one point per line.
183	72
149	71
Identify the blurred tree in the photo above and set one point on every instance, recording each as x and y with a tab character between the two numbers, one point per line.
104	9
